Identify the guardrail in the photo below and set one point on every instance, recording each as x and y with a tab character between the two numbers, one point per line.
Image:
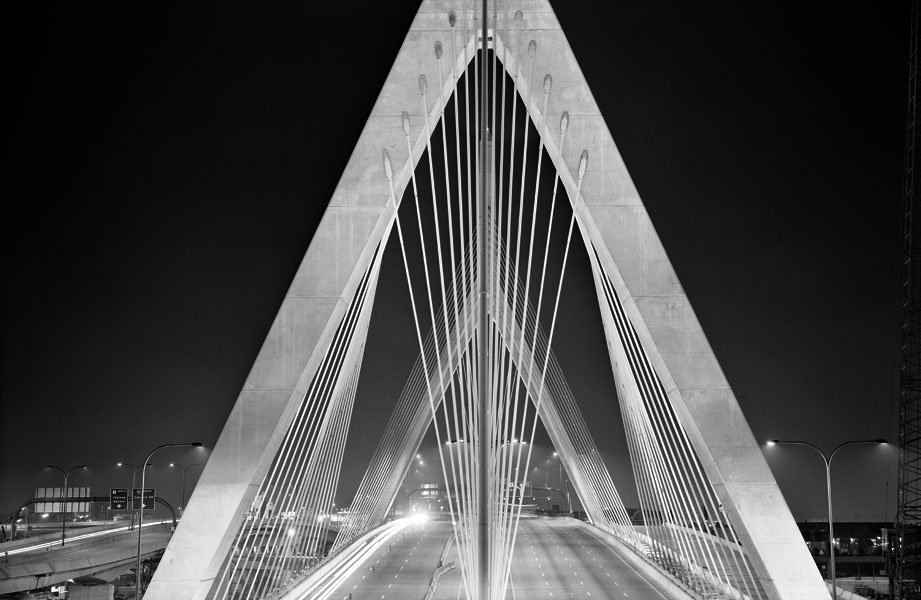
443	567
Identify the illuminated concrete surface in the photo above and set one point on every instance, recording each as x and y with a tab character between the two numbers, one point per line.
39	565
356	220
613	222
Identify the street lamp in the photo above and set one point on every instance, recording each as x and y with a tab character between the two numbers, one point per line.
64	495
134	472
137	574
184	471
828	459
410	489
534	483
559	459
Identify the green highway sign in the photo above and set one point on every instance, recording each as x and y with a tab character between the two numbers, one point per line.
149	495
118	498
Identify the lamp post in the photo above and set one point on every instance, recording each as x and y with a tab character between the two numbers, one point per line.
137	574
559	459
182	498
64	496
534	483
134	473
831	530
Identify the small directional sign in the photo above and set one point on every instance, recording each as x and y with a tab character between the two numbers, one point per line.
149	495
118	498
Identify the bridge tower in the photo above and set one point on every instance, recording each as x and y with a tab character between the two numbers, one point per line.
301	387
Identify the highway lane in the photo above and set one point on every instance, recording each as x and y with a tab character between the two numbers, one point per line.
558	558
554	558
399	569
73	538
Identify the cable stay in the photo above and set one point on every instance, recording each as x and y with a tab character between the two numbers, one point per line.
482	195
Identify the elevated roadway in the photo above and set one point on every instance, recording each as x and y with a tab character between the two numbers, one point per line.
39	562
395	561
565	558
554	558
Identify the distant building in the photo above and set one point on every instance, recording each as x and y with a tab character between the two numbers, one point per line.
862	547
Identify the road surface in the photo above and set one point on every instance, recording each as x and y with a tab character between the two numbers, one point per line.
554	558
399	567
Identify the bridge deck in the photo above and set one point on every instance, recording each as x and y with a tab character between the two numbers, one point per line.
554	558
557	558
402	568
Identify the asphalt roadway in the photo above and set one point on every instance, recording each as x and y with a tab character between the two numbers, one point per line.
554	558
557	558
400	569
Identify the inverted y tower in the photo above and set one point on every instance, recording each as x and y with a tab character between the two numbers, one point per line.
324	316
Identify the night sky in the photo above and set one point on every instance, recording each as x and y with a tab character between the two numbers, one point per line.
166	166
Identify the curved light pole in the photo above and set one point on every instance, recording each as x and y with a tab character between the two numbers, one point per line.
137	574
828	459
134	472
184	471
64	495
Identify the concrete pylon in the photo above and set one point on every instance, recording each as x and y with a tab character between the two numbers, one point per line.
353	227
614	224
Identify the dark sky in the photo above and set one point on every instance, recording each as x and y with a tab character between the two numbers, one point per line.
166	166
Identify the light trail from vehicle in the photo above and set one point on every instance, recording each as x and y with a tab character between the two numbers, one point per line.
77	538
352	558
